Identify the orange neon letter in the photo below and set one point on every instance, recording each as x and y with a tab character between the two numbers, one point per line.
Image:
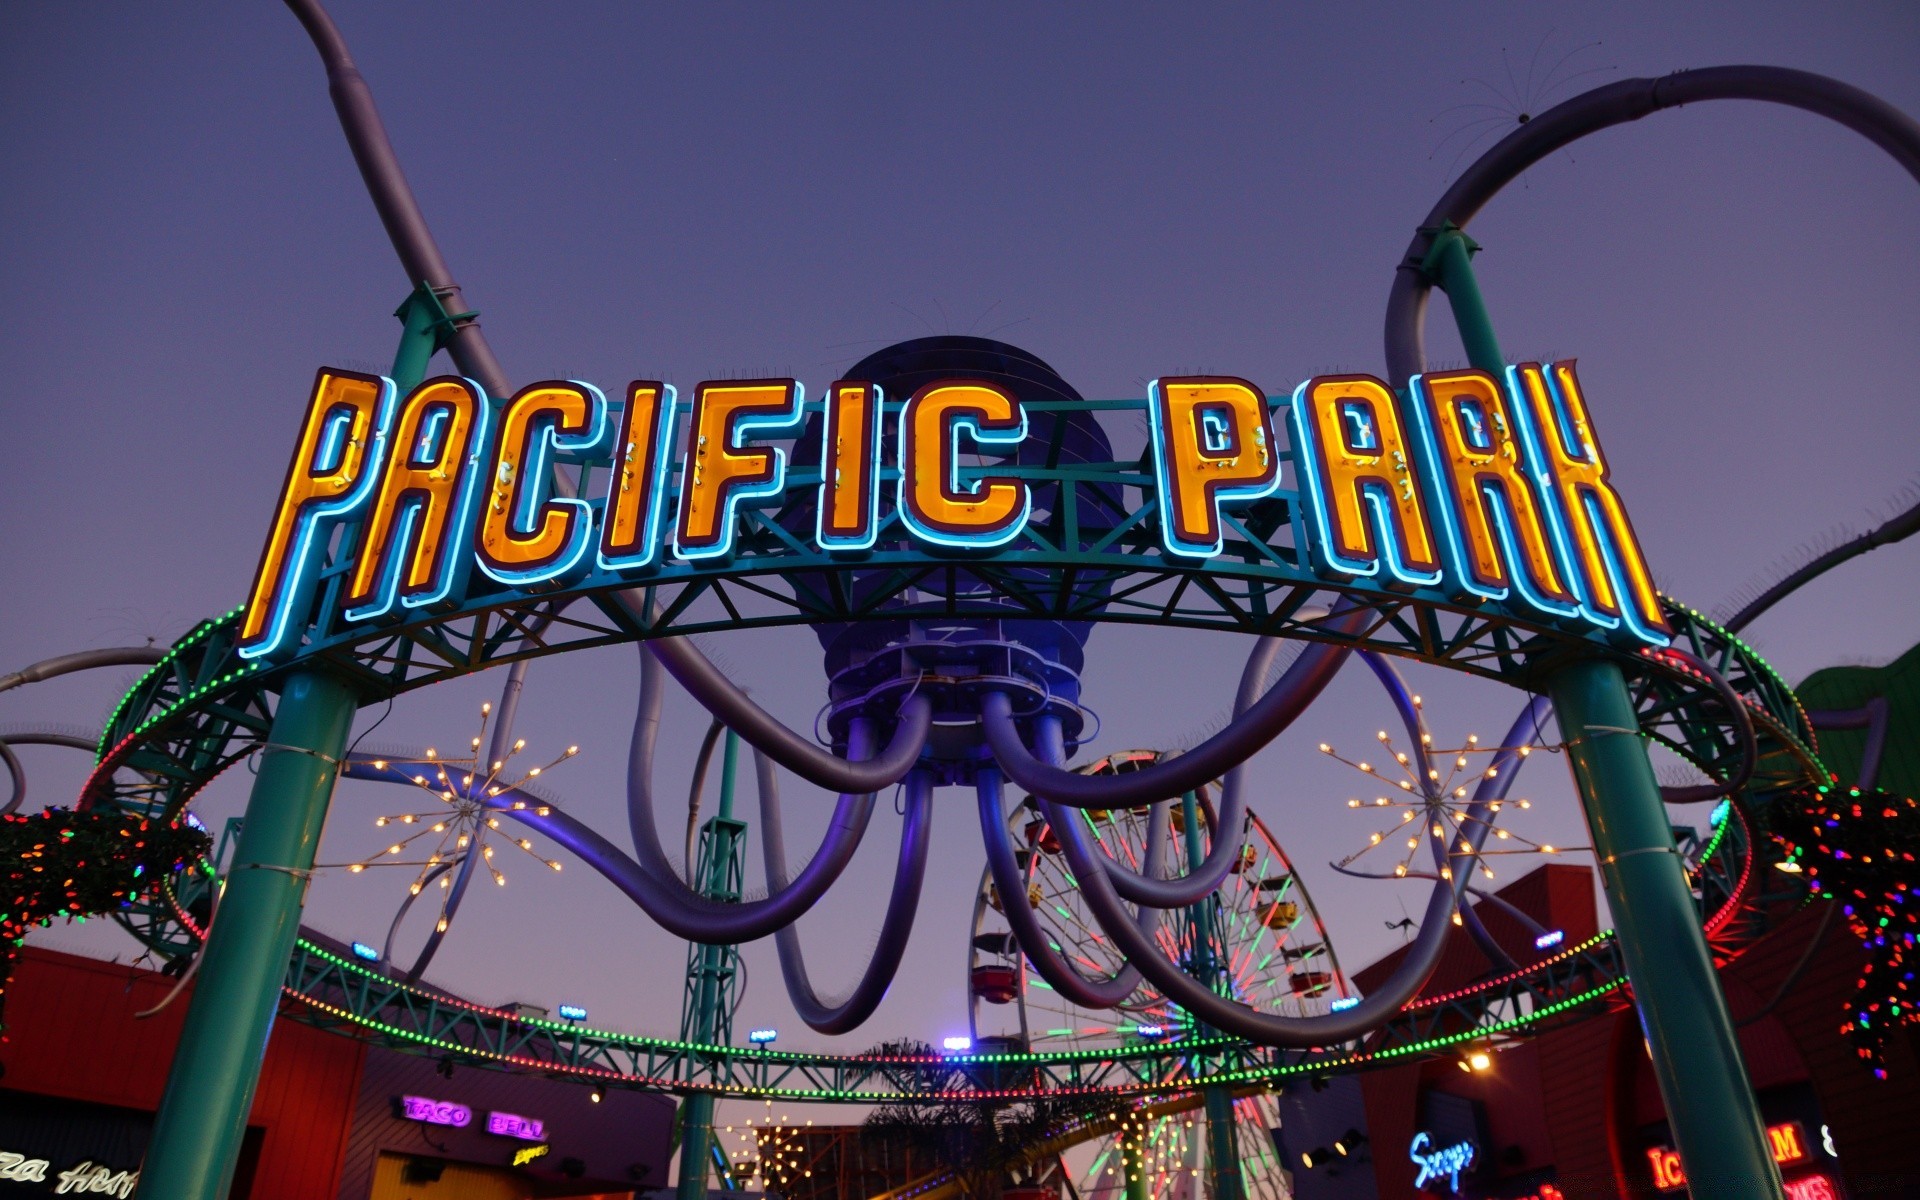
528	535
848	510
1366	510
630	529
1608	564
1668	1175
414	544
935	505
1212	442
327	481
1500	539
720	471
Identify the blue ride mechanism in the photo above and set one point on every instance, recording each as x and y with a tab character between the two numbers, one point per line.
956	661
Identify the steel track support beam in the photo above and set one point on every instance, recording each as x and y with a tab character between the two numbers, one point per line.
1206	965
712	972
203	1113
1696	1054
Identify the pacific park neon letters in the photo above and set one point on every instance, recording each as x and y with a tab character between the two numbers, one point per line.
528	535
723	468
329	479
1213	443
1486	489
934	504
1366	508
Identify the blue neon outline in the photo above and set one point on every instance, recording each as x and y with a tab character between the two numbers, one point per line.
1307	456
970	426
537	464
1212	427
333	443
457	546
1560	521
1163	483
661	468
734	438
827	431
1616	571
1500	517
293	577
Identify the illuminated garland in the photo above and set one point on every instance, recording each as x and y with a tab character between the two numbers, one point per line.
1253	1074
61	863
1859	848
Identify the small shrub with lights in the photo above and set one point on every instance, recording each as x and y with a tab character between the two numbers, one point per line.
1861	850
62	863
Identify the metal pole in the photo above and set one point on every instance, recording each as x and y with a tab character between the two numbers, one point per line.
216	1067
714	968
1223	1138
196	1134
1696	1055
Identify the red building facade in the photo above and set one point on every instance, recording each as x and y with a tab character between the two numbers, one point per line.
1575	1112
84	1075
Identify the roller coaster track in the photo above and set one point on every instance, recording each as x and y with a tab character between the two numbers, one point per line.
199	710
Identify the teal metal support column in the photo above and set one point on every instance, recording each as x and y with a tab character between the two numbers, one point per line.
1696	1055
707	1015
196	1135
203	1112
1449	267
1205	964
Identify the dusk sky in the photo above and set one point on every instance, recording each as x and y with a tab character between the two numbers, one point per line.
1128	191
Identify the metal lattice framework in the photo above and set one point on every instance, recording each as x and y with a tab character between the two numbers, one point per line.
327	988
202	707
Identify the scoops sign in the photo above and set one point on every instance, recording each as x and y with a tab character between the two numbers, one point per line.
1491	489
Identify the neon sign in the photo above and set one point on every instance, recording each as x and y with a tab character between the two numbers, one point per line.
527	1154
435	1112
1787	1142
1445	1163
1492	490
85	1178
506	1124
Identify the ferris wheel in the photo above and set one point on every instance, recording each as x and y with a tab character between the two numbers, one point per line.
1257	938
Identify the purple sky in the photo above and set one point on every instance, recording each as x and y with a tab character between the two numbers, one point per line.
698	191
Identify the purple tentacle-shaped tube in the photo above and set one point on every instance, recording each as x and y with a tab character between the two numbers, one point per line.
785	904
1010	882
1416	726
496	752
895	927
1225	851
673	906
1614	104
1263	720
84	660
1229	1016
400	915
765	732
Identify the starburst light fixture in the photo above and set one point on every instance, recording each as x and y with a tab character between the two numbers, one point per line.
466	823
1431	790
